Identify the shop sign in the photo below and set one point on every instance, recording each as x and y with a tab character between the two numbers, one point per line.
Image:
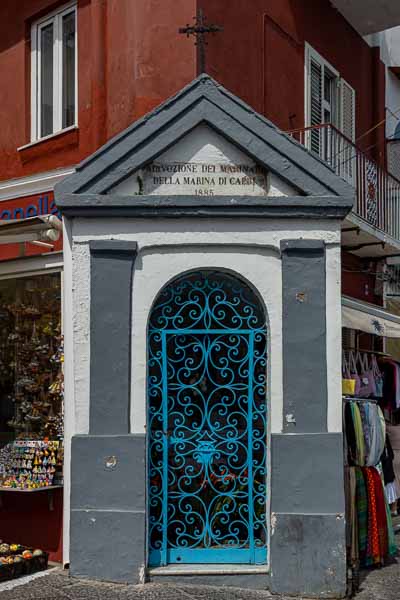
30	206
22	208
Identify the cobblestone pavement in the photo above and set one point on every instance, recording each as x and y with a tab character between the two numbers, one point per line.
59	586
378	584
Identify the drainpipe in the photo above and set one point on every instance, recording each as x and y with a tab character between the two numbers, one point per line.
99	72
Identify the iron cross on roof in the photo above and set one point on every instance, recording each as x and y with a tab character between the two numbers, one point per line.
200	29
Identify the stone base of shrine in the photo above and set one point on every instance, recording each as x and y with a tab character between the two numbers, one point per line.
308	555
308	541
107	531
256	578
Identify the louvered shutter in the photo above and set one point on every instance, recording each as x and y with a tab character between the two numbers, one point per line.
348	128
347	110
315	108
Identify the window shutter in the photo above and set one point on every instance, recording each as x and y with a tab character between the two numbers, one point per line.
315	108
347	110
347	125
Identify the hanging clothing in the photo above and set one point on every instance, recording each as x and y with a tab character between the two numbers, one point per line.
364	411
391	492
369	533
382	521
378	434
362	514
397	394
382	430
350	434
365	433
387	462
358	428
389	476
372	451
378	377
394	437
351	514
373	556
392	549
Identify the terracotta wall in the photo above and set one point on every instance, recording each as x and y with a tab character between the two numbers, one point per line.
260	57
130	59
34	520
359	278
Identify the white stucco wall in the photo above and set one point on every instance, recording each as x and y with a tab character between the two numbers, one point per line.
170	247
334	336
392	102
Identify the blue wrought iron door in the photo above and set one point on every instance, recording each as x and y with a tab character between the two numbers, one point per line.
207	423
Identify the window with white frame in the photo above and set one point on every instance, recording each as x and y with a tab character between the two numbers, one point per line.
54	72
329	100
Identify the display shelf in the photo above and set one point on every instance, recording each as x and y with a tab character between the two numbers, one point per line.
48	488
40	489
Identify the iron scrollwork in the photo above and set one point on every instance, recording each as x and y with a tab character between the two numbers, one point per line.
207	422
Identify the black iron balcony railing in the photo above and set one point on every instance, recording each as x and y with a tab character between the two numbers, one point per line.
378	192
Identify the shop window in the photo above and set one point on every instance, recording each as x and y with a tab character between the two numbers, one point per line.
54	73
31	381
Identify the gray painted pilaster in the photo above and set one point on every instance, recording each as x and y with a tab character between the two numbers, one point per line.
111	272
305	395
308	549
108	470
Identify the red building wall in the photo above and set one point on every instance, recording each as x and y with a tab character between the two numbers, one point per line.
260	57
33	519
359	278
130	58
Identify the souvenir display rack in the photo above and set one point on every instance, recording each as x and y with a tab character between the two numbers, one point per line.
17	560
31	382
31	355
33	464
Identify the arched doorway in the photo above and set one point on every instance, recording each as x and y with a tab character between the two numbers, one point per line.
207	342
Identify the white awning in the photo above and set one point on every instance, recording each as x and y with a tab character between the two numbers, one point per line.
41	230
369	318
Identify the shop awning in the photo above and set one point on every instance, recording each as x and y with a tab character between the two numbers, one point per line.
41	230
369	318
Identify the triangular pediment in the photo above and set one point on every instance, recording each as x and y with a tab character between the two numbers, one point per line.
212	132
203	163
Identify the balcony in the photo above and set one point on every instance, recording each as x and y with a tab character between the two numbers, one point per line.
377	192
369	16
